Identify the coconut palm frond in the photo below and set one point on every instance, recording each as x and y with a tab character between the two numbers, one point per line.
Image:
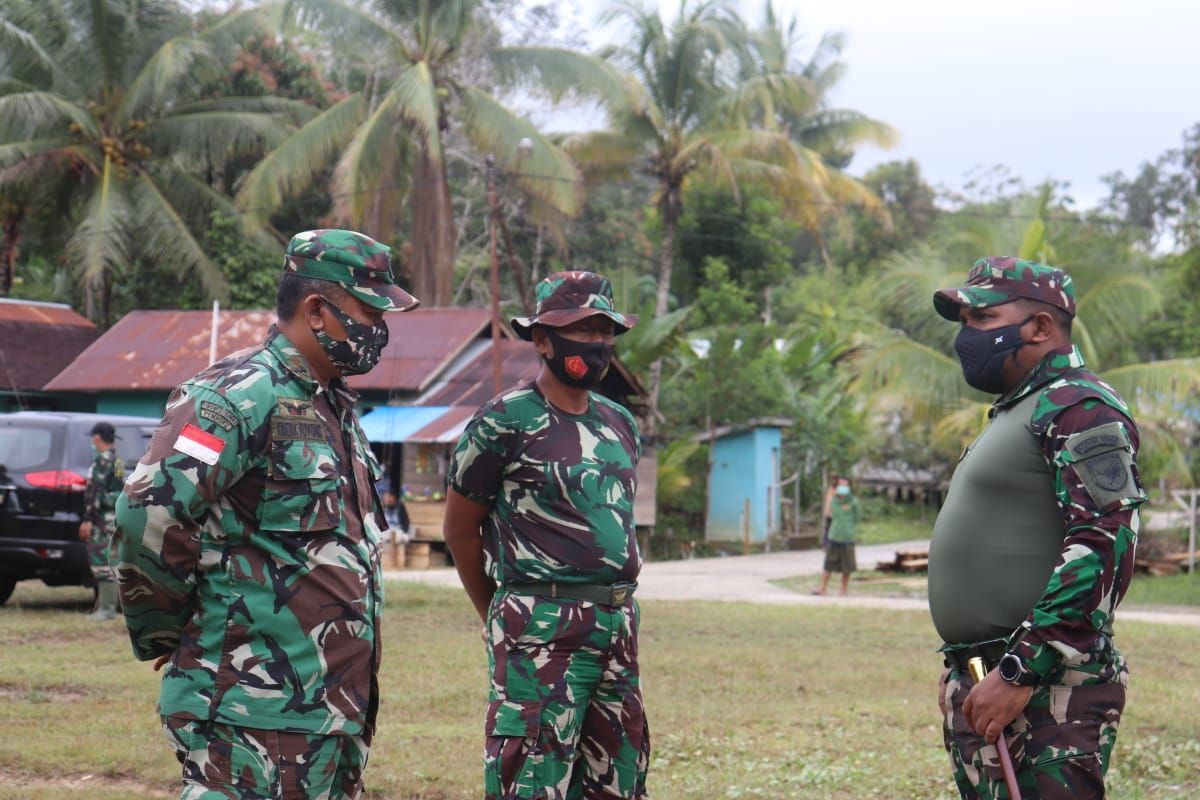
297	162
26	114
166	238
562	73
184	58
1152	385
546	172
100	242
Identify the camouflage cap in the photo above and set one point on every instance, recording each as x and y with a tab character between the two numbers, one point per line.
358	263
567	297
996	280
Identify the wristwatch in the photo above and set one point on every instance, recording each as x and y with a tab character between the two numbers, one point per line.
1013	670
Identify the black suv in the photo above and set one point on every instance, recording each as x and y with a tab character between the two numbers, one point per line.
44	462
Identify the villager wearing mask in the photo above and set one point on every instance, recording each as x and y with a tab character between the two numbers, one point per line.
539	518
1034	548
844	516
250	542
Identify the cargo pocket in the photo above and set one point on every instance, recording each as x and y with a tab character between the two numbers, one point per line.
513	757
301	491
1067	743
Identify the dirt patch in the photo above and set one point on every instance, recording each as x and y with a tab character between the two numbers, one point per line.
81	783
42	694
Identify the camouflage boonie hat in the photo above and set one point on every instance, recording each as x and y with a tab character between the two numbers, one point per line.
566	297
358	263
996	280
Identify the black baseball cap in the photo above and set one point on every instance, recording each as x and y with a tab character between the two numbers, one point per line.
104	430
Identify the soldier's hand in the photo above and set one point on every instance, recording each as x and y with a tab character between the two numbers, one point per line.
942	691
993	704
85	531
161	661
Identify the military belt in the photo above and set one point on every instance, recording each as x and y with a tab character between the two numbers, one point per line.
616	594
991	651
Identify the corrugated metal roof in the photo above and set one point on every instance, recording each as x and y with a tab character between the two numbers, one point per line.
447	427
158	350
37	340
473	385
41	313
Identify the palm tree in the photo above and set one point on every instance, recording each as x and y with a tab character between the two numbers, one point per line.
913	371
390	141
717	103
100	113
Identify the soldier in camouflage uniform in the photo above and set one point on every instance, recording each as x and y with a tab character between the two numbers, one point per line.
250	557
105	477
539	518
1034	547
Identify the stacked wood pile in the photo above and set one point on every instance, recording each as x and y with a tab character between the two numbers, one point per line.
1165	565
906	561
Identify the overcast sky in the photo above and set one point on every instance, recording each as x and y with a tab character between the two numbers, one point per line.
1052	88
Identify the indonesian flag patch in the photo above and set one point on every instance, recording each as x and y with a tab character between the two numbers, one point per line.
199	444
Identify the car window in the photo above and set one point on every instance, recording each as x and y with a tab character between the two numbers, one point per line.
24	449
132	441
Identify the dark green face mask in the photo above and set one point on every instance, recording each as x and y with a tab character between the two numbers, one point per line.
360	352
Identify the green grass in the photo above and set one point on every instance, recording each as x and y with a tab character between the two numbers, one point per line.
744	701
884	522
1146	592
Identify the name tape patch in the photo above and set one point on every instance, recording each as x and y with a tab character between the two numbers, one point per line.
217	415
297	429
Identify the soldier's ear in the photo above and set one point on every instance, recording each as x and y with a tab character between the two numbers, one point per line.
313	311
1043	326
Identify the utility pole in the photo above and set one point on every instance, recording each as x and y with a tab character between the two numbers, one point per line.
490	160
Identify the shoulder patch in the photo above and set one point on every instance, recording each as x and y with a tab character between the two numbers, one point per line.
1103	459
217	415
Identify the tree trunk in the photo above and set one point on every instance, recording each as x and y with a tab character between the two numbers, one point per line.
670	208
9	249
432	232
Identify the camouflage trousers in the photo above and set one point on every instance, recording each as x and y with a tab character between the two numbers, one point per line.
227	762
1060	744
101	554
565	719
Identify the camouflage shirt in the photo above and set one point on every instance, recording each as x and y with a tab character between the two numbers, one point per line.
1075	415
103	486
560	488
251	549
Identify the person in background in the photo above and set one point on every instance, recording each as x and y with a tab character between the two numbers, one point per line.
844	516
105	478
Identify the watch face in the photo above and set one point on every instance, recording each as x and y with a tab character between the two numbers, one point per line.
1010	667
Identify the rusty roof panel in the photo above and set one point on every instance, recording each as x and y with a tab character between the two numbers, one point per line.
446	428
421	344
158	350
30	311
37	340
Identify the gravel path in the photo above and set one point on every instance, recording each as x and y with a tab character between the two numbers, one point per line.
746	579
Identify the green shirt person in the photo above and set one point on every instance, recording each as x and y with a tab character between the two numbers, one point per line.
539	518
250	549
104	480
844	515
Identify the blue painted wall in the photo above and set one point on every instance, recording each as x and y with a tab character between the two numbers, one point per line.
743	467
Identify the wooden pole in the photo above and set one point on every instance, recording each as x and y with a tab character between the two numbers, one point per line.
495	277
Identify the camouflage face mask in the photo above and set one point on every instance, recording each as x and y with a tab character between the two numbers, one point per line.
360	352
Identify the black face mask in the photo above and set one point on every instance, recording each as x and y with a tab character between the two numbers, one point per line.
983	353
578	364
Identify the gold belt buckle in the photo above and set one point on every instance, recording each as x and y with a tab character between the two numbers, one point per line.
619	594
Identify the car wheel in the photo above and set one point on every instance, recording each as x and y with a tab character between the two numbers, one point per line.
6	589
